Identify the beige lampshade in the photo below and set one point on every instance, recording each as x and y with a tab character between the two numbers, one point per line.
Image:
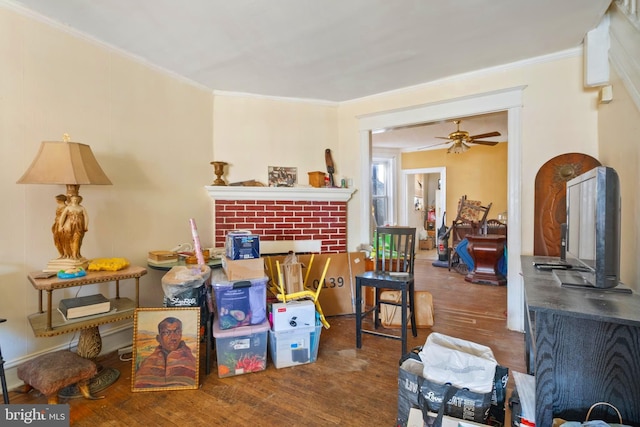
64	163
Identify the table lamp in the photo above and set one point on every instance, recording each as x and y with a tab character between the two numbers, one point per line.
71	164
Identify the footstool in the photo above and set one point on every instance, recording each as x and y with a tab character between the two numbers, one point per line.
51	372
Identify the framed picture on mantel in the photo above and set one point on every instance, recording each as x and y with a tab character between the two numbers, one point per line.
282	176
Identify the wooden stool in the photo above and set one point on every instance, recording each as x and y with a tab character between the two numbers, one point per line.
51	372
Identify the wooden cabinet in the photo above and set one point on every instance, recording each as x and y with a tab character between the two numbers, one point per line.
583	346
486	251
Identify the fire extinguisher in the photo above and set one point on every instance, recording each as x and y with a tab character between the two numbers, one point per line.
443	241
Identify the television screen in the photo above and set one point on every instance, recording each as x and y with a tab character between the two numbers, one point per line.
581	220
593	230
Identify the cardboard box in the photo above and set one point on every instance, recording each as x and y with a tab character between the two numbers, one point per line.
241	350
243	269
242	245
338	295
240	303
391	315
427	244
162	256
292	315
293	281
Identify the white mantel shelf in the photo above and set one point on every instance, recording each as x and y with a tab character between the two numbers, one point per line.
280	193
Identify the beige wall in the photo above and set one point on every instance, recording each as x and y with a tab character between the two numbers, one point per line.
152	136
619	135
252	133
480	173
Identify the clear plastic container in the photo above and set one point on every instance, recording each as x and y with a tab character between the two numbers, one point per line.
241	302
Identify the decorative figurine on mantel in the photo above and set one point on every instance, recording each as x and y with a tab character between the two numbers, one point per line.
218	169
330	168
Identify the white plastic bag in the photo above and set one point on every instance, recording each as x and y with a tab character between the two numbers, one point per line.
463	364
182	278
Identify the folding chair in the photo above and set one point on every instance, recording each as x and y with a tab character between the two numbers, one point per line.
310	293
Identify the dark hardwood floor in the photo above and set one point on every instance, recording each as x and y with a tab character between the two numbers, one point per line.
345	386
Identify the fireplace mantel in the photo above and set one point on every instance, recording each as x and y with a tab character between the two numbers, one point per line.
279	193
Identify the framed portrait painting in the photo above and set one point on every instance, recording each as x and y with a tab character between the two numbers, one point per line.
282	176
166	349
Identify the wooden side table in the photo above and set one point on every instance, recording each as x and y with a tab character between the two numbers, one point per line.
486	251
51	322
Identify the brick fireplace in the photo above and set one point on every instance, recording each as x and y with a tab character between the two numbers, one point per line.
298	219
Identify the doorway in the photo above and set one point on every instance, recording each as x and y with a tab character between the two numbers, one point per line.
435	197
509	100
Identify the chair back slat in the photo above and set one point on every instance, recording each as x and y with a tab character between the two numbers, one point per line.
394	249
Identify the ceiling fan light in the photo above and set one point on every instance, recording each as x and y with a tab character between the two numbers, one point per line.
457	149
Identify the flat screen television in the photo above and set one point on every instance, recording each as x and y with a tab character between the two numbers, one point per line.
593	230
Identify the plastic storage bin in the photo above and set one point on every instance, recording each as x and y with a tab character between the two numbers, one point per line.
241	350
294	346
240	303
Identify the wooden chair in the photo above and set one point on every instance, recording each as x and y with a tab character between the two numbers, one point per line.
495	226
470	220
394	249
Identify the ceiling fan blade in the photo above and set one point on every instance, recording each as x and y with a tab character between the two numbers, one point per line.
492	143
485	135
432	145
442	137
442	143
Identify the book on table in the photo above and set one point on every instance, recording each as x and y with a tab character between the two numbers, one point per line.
72	308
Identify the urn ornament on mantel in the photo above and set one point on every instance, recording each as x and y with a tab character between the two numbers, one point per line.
218	169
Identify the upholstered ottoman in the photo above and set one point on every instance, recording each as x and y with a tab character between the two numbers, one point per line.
51	372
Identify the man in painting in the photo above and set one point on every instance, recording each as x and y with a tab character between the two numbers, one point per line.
172	364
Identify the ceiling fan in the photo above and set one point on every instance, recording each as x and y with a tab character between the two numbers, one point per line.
461	139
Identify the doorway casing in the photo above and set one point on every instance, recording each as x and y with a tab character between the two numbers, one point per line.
405	198
509	100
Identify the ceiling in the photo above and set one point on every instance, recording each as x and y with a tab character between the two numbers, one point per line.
427	136
324	50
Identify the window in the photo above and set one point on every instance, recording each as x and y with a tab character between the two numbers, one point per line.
382	191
